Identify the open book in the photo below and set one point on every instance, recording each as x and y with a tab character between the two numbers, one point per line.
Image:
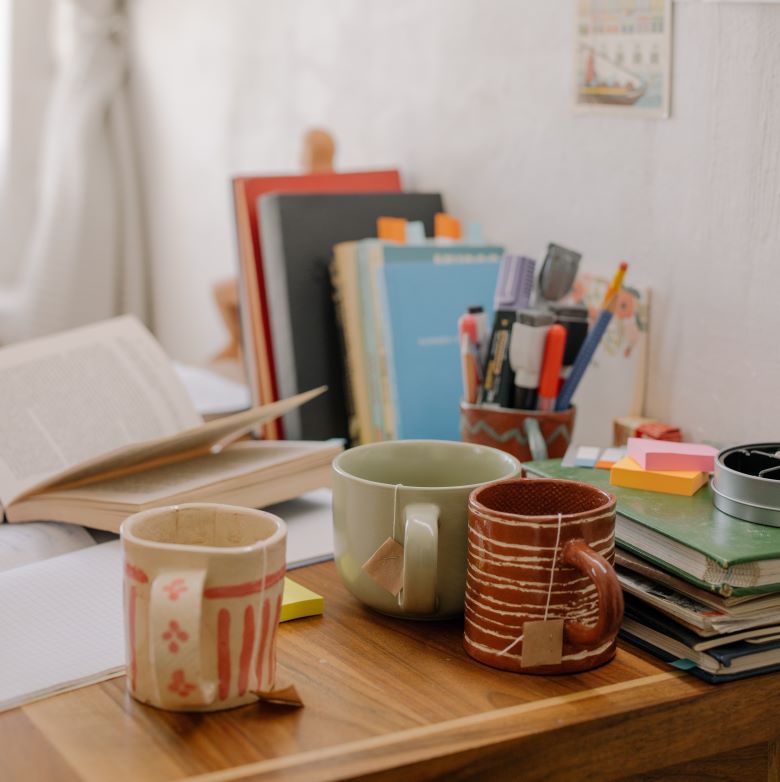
95	425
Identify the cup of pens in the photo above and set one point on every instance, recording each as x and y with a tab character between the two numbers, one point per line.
518	385
512	403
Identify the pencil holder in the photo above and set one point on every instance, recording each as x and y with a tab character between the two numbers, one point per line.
526	434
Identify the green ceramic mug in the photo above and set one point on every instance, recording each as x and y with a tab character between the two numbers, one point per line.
416	492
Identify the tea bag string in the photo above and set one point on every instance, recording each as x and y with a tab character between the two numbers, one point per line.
263	582
549	586
395	513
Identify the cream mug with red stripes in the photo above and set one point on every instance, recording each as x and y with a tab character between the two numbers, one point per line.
203	593
541	593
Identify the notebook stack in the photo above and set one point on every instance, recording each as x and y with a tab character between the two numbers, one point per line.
702	588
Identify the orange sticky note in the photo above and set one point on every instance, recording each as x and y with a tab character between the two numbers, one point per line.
391	229
446	227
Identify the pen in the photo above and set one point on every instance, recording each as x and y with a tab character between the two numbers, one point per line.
551	367
526	350
614	286
467	335
495	367
481	342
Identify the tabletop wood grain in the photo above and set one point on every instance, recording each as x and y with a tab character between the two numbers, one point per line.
387	698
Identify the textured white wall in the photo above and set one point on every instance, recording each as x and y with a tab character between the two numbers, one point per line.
473	99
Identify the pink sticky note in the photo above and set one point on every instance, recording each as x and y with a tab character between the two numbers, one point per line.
663	455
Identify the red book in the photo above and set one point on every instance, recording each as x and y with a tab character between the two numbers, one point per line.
256	328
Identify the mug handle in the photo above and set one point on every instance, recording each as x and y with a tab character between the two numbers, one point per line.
536	443
421	549
175	620
580	555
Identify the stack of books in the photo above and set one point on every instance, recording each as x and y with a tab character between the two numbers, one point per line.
398	307
702	588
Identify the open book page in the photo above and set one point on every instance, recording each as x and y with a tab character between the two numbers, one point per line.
211	436
22	544
68	398
258	460
62	624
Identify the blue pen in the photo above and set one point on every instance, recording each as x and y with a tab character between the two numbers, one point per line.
584	356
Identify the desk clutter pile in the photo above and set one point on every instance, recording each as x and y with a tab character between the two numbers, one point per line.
386	299
702	587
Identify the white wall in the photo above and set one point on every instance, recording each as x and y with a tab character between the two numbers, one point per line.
472	98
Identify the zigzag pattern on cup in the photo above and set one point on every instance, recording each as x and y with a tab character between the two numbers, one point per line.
509	434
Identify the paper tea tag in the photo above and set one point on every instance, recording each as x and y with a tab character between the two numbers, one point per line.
281	696
542	643
386	566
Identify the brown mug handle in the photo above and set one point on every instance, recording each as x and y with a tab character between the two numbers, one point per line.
580	555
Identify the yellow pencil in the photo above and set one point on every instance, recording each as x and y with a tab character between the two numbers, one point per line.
614	286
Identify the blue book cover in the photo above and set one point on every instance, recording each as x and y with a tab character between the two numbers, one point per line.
424	290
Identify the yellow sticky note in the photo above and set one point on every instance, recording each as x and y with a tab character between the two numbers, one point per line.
297	602
628	473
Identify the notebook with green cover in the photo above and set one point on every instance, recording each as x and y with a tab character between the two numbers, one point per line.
687	536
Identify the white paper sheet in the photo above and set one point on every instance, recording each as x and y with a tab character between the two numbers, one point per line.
61	623
309	527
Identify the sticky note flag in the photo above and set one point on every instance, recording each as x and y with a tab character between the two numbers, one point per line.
587	456
446	227
391	229
665	455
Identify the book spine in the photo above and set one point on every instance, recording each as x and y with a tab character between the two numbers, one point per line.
347	360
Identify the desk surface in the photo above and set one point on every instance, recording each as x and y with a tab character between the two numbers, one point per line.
387	698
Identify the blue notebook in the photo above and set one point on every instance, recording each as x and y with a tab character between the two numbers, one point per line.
424	290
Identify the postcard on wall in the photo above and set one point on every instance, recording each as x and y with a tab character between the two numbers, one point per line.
615	381
623	57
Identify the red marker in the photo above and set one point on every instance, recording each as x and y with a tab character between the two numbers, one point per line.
551	367
468	335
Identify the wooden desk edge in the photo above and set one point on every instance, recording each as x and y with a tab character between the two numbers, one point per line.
422	750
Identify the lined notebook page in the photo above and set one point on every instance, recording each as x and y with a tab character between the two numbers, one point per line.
61	624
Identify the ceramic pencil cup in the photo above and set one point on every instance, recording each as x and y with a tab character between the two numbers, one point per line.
541	593
203	595
526	434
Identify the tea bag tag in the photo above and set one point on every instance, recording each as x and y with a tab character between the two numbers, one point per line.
386	566
280	696
542	643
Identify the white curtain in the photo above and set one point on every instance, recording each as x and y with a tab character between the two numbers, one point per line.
85	258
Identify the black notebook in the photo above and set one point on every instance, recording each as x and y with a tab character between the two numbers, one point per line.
299	232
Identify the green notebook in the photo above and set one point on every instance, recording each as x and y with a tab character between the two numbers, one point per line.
687	536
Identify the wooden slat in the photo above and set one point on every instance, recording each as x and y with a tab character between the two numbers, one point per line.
749	763
385	697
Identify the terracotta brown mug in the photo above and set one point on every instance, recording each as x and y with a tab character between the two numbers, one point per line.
540	556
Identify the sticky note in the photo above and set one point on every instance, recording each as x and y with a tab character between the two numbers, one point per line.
587	456
298	601
628	473
609	457
391	229
665	455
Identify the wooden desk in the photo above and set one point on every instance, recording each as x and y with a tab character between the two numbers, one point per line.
387	699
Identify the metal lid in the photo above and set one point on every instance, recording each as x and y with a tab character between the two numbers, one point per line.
746	483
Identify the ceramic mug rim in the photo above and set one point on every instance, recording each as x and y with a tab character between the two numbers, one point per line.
507	457
478	508
126	533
